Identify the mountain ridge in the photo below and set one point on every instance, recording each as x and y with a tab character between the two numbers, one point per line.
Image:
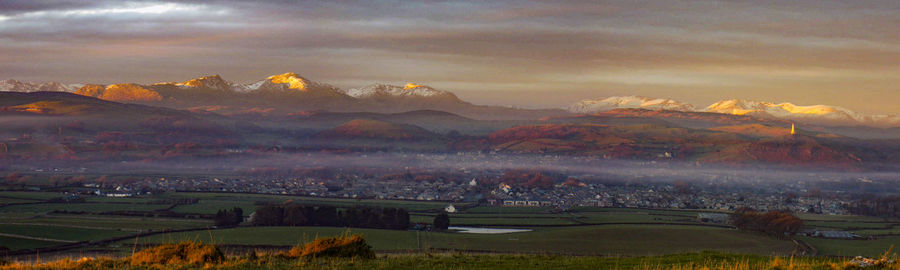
811	114
289	92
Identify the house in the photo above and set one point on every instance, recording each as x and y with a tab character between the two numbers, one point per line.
450	209
118	194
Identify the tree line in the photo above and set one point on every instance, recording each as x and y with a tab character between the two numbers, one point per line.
887	207
229	218
775	223
356	216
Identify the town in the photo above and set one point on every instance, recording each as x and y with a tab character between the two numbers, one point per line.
504	189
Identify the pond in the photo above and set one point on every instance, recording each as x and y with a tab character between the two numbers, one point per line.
486	230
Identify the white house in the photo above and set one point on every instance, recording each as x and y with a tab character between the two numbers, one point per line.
450	209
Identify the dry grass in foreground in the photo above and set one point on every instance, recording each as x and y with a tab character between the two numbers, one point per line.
352	252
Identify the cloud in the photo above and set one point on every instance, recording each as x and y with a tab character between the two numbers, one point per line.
676	48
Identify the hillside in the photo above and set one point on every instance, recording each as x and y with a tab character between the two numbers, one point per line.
285	94
361	128
730	145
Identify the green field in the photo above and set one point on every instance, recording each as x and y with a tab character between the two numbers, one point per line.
8	200
59	233
209	206
114	223
37	196
880	232
15	243
86	207
839	225
838	247
582	230
508	210
502	219
583	240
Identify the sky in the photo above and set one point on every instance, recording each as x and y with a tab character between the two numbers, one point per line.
531	54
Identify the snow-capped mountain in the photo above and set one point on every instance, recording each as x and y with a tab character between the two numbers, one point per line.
634	102
789	111
386	90
290	83
210	82
19	86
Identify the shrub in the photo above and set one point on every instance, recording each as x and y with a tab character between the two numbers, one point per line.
182	253
345	246
441	222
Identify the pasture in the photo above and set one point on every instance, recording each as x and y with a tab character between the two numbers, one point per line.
614	240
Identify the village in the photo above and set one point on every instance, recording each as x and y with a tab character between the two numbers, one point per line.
565	195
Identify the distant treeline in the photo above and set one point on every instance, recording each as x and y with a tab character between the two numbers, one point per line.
774	223
888	207
306	215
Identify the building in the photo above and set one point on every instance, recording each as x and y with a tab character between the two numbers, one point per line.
450	209
836	234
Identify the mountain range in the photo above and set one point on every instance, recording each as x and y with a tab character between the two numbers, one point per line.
290	93
69	129
815	114
283	94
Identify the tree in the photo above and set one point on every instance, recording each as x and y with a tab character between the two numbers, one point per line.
402	219
270	215
226	218
297	215
237	215
774	223
442	222
326	216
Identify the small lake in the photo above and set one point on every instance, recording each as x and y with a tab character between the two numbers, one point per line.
486	230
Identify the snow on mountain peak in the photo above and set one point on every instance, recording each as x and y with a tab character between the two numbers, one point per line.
639	102
292	80
214	82
408	90
20	86
791	111
411	86
741	107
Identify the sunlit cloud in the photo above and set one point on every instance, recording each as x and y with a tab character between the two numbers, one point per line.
124	9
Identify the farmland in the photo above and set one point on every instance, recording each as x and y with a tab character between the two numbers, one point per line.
582	240
38	219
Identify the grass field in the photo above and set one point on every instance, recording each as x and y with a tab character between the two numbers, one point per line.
37	196
500	220
584	240
86	207
553	230
507	210
113	223
210	206
59	233
840	225
838	247
15	243
895	230
685	261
